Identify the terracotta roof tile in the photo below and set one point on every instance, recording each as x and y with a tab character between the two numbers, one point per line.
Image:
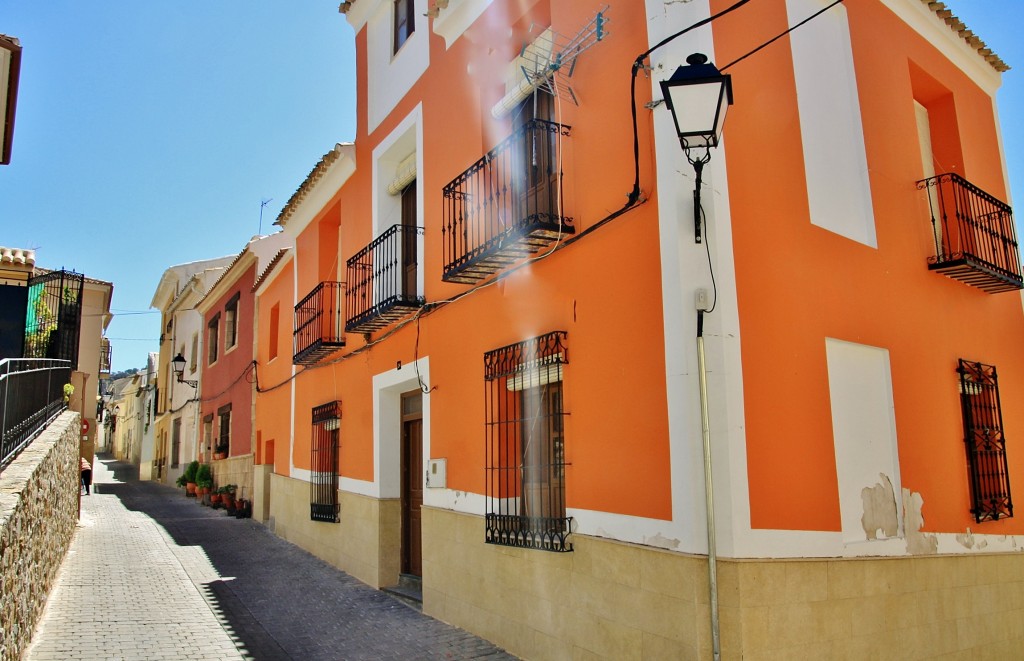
956	25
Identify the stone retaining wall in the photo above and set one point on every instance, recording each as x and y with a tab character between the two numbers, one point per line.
38	513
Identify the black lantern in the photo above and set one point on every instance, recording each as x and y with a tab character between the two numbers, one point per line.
698	95
178	365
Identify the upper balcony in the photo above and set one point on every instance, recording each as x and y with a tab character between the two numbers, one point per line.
105	357
318	324
382	280
507	205
975	240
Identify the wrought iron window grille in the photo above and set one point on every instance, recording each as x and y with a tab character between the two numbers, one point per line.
986	446
382	280
505	206
525	445
319	330
323	467
975	238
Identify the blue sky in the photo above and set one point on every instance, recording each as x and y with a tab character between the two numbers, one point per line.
148	133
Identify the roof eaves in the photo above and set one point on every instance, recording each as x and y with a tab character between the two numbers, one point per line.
270	267
314	176
972	40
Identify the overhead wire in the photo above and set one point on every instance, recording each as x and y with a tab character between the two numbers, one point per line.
633	199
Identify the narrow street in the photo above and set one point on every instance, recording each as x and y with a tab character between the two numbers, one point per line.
152	575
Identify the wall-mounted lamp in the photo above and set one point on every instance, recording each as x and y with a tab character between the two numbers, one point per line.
698	95
178	365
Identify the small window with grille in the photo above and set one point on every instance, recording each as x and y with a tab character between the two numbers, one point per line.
525	452
323	497
986	446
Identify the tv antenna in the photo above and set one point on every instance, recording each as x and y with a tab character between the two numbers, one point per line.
263	203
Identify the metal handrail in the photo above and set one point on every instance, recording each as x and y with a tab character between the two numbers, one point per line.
31	396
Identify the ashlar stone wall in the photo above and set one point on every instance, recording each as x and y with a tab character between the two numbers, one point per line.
38	513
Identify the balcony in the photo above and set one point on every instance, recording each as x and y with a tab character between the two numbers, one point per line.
105	358
506	206
318	328
975	240
382	280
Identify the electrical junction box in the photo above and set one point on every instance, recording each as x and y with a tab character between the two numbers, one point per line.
437	470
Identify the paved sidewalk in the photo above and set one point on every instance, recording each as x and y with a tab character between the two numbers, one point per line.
151	575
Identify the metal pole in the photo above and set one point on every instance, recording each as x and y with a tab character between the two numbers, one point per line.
708	489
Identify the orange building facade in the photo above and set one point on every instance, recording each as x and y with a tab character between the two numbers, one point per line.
478	368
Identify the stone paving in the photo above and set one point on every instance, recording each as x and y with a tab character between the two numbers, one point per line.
151	575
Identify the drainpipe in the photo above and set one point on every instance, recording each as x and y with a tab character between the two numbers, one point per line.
708	489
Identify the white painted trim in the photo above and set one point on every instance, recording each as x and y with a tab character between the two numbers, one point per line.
864	435
935	31
387	413
455	19
321	191
831	128
359	12
389	76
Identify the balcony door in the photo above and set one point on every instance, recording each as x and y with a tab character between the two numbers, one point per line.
536	161
408	242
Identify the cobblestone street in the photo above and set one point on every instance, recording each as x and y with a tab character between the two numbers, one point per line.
152	575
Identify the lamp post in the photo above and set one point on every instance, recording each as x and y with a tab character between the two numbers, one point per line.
698	96
178	365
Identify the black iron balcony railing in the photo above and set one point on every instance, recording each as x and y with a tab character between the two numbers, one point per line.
31	395
975	240
319	330
382	280
105	357
506	206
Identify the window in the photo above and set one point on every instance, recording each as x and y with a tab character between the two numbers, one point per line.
194	356
231	322
223	430
275	322
405	22
213	338
525	451
986	447
323	467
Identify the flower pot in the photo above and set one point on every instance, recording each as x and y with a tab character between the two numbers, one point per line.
190	489
220	455
215	498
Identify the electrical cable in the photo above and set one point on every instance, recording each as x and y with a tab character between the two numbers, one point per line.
782	34
711	267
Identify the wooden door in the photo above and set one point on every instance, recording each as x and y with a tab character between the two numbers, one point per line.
536	161
412	484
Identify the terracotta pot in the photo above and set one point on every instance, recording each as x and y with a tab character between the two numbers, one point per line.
220	455
215	498
190	488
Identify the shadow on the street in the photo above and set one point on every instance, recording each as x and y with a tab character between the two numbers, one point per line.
280	602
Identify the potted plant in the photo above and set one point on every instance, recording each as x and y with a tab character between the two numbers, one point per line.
220	451
190	478
228	496
204	479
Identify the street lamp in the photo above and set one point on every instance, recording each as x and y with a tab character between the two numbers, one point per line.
178	365
698	96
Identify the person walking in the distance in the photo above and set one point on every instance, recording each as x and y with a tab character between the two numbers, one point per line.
86	475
